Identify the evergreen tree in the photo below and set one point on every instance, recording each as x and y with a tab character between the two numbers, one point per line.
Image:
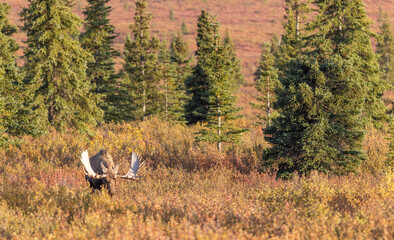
173	86
56	66
141	74
347	28
197	82
385	49
180	57
179	51
97	40
184	28
295	31
275	43
237	78
217	68
9	75
319	128
266	80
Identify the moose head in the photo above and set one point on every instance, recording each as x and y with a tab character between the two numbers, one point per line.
100	170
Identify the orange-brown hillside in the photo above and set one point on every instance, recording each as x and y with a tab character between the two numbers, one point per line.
250	22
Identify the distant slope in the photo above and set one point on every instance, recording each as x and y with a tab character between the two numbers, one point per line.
250	22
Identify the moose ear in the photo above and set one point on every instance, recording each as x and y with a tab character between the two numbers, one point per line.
104	168
116	169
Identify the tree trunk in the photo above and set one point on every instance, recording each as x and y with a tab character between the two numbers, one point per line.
143	81
219	124
166	98
51	107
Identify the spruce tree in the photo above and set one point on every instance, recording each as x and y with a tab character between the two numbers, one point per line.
217	68
9	76
56	66
173	87
266	81
295	31
347	28
141	74
17	118
385	49
197	82
180	57
320	102
237	78
184	28
97	40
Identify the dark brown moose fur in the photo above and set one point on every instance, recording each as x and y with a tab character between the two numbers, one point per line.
103	157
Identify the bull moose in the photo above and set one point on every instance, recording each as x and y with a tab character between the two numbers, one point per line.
100	170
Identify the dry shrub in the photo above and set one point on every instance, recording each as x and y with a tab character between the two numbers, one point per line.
188	191
376	146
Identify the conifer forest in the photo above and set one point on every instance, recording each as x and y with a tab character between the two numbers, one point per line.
253	119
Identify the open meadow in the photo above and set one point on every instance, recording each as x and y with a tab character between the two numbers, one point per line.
187	191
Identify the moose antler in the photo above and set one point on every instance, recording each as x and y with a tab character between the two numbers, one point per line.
87	168
134	168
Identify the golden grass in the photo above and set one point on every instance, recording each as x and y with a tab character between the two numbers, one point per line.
188	191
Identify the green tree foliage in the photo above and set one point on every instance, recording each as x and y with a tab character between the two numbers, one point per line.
173	87
237	79
180	55
9	76
97	40
197	83
346	26
184	28
295	31
56	66
319	127
385	48
266	81
172	17
327	94
218	70
141	71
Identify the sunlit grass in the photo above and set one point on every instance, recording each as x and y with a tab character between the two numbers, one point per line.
188	191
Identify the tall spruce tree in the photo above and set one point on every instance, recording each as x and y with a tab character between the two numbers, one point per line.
347	28
56	66
385	48
237	78
18	118
320	102
327	95
266	81
197	82
217	69
97	40
173	87
141	74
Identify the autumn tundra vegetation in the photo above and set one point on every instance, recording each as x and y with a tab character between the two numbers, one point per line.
316	163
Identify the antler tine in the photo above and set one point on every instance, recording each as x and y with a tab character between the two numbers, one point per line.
135	167
141	166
